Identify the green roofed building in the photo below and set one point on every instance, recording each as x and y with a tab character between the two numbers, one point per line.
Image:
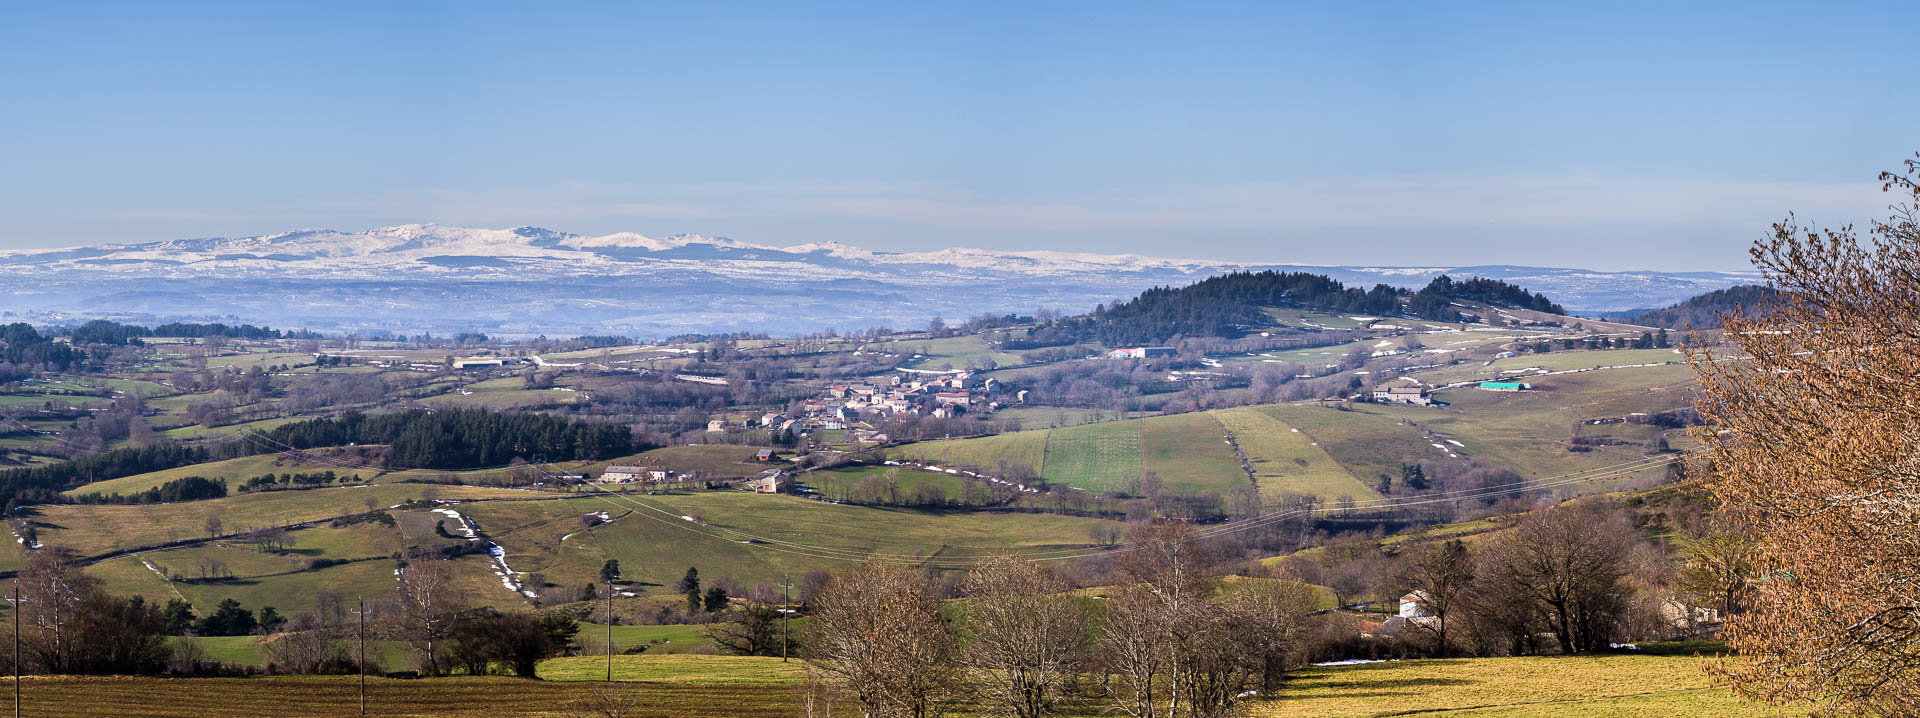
1504	385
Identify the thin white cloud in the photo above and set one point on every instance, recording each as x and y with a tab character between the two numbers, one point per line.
1569	200
1400	202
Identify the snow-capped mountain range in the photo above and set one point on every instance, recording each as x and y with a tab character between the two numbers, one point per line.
529	280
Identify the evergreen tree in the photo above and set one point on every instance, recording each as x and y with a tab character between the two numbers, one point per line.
177	617
716	600
1413	477
270	620
610	571
228	619
690	587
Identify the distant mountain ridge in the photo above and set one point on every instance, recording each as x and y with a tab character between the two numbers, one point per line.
1703	312
410	278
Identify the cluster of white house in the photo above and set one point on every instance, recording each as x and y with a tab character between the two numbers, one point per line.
940	396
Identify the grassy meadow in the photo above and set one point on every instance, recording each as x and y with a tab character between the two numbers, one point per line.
666	685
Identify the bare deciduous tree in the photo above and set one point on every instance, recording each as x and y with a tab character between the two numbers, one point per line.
878	637
1810	443
49	630
1716	567
1440	574
1023	634
424	609
1566	564
1179	643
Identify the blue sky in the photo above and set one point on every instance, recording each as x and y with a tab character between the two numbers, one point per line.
1629	136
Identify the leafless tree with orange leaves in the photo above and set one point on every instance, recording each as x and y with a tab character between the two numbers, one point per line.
1813	445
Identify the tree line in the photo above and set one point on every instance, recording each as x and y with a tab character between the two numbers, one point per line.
27	351
447	439
462	438
101	331
187	488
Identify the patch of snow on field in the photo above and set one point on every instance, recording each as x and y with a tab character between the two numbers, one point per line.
462	521
1355	662
507	577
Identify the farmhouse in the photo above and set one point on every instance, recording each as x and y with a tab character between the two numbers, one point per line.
622	474
1505	386
954	397
1141	353
717	425
1415	609
479	363
771	481
1402	395
763	455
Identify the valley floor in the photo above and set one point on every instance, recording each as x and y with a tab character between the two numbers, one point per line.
683	685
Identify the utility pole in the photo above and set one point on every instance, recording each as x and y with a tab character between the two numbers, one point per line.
609	630
16	600
786	614
362	613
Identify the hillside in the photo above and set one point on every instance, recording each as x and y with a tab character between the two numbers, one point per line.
1331	452
1704	311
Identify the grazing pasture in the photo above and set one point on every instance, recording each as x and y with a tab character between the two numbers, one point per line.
1094	457
1286	460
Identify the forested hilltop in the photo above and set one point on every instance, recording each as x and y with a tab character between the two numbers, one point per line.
1230	304
1703	312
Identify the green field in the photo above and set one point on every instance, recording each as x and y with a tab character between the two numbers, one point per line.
1020	447
711	461
661	686
1365	442
1307	318
194	431
1285	460
1048	417
950	353
675	686
94	529
1607	686
1517	367
1189	451
1186	451
655	546
234	471
838	483
1095	457
505	393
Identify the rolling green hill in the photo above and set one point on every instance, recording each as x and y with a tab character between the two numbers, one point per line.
1335	451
